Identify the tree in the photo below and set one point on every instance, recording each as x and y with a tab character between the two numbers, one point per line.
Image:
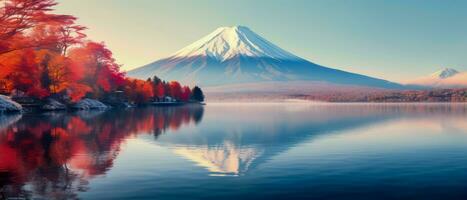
138	91
18	16
55	71
159	90
156	80
197	94
186	94
100	71
175	90
26	75
44	54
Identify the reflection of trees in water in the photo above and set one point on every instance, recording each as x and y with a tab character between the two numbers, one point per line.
6	120
53	155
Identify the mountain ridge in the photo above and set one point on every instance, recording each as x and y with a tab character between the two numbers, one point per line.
233	55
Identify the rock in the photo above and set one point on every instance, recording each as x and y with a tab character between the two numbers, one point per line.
8	105
52	104
90	104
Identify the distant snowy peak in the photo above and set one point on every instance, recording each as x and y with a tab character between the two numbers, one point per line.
445	73
229	42
445	78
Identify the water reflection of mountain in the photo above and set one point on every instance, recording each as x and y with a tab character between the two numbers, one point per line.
53	155
233	140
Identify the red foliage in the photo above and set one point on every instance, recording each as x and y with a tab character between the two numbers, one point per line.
25	75
175	89
99	67
186	94
159	90
43	54
18	16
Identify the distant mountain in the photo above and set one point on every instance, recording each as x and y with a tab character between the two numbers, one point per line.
236	55
445	78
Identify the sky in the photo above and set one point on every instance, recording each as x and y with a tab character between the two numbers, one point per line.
396	40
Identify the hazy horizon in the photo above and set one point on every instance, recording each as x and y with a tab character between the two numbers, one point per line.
375	38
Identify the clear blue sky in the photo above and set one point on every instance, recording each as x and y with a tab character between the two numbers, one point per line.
391	39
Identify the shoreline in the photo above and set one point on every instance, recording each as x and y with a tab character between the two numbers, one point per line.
38	109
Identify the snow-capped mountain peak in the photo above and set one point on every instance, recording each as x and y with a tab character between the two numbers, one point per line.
237	55
228	42
445	73
444	78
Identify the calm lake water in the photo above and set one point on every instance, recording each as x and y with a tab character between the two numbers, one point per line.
238	151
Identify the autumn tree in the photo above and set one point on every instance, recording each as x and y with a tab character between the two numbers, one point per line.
18	16
26	75
158	88
186	94
138	91
100	71
44	54
175	89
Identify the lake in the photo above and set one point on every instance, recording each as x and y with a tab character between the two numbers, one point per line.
238	151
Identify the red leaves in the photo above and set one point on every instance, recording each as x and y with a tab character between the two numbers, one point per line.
18	16
25	75
97	66
175	89
186	94
159	90
139	91
43	54
33	43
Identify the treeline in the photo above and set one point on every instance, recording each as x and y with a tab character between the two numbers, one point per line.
436	95
43	55
156	90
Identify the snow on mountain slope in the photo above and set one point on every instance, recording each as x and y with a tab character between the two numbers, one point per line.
227	42
445	78
233	55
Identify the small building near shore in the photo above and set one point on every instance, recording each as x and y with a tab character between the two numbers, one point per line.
169	99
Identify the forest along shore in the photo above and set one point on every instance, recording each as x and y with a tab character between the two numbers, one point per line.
155	93
48	63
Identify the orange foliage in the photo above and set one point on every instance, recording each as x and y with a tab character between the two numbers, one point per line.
34	54
97	66
44	54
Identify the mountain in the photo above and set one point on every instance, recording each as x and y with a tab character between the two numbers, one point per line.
234	55
445	78
445	73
